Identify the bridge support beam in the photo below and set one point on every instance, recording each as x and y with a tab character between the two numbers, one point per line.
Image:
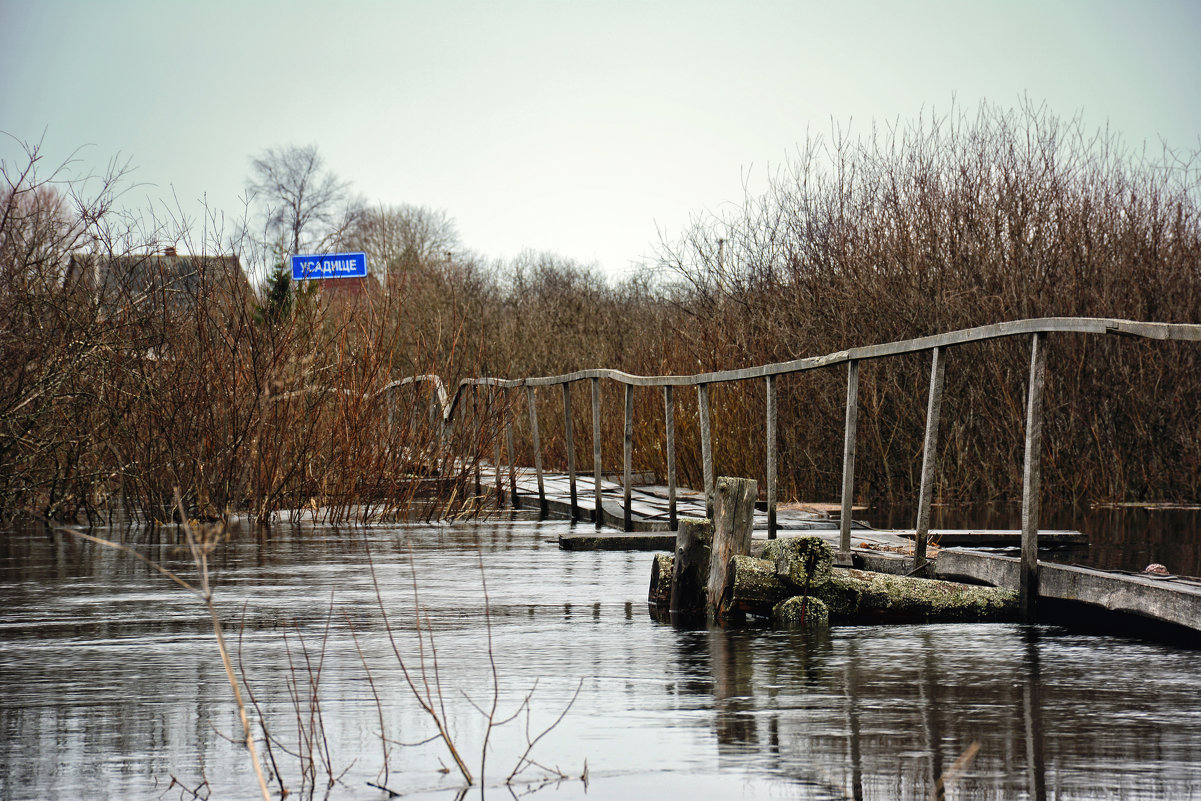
514	500
848	461
1032	477
702	395
772	460
530	392
669	415
627	461
599	515
569	443
929	455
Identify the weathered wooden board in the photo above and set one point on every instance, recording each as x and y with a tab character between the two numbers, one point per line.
1042	325
1173	601
991	538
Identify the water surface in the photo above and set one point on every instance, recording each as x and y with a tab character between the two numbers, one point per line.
111	685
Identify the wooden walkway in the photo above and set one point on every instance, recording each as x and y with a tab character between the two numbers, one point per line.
1175	600
651	529
647	512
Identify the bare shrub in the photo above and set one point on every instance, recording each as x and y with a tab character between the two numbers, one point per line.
945	224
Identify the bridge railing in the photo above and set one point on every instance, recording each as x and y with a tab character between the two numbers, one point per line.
937	345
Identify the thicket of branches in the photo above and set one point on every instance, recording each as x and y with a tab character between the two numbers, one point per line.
912	230
266	399
112	396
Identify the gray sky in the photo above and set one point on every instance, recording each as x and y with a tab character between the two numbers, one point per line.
579	127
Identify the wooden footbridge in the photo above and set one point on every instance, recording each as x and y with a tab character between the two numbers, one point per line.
644	510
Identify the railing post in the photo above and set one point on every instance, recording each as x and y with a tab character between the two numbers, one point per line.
1032	478
500	484
702	392
530	395
848	460
669	412
772	458
570	444
491	410
599	515
628	460
477	429
514	499
929	456
437	423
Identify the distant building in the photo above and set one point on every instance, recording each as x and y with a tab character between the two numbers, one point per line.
341	289
174	282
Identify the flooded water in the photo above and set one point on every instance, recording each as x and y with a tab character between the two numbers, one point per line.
111	685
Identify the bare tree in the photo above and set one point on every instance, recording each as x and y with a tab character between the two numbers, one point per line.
399	239
304	204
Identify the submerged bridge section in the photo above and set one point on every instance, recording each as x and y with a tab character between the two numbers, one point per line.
1170	599
654	507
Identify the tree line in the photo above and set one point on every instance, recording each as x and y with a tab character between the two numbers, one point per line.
267	400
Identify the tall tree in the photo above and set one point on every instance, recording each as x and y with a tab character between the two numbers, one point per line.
304	204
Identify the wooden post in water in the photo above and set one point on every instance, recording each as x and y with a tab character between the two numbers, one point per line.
598	516
772	463
530	395
1032	478
500	484
702	393
690	571
490	412
848	461
442	424
477	432
627	462
669	413
734	516
929	455
514	500
433	413
570	445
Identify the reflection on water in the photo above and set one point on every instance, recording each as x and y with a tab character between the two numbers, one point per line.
110	684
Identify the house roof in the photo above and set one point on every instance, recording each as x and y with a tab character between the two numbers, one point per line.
138	275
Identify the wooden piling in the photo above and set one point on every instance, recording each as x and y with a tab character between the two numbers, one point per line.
669	415
433	414
530	392
772	463
477	432
597	516
929	455
848	460
627	461
690	572
1032	478
570	445
500	487
702	393
490	413
734	516
514	498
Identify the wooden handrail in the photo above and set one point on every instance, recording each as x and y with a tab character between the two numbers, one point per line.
1038	325
1036	329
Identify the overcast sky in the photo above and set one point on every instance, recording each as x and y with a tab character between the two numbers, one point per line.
579	127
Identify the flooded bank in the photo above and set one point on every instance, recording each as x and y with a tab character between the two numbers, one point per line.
110	682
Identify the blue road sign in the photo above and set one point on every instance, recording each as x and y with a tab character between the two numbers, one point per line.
329	265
